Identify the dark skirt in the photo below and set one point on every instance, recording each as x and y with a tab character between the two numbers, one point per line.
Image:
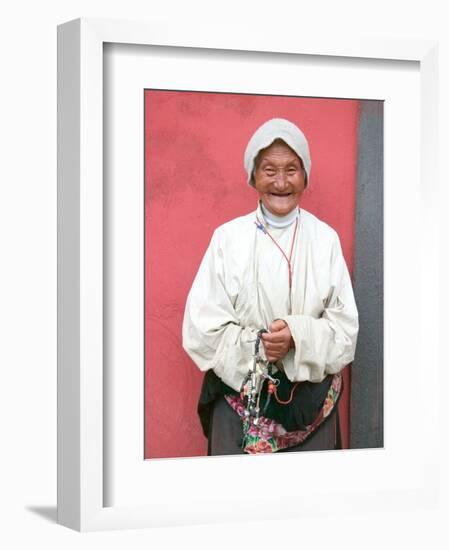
225	433
223	427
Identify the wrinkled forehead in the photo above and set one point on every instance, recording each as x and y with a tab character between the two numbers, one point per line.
278	147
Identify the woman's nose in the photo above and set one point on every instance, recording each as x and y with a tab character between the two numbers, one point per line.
280	180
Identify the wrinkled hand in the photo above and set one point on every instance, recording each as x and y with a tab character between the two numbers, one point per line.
277	341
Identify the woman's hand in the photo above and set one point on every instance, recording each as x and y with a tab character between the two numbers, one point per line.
278	341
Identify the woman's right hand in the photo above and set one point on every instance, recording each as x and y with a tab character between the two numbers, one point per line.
277	341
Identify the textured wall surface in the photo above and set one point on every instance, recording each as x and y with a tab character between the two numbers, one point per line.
195	181
367	370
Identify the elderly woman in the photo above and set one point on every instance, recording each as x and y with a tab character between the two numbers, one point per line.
275	280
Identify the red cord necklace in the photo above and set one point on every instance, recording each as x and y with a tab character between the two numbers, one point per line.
271	387
265	230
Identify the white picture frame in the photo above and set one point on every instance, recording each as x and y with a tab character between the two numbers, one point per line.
82	491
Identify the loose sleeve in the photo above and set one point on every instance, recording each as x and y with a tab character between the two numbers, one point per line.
212	334
325	345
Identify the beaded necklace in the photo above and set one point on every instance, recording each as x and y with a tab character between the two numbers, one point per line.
272	386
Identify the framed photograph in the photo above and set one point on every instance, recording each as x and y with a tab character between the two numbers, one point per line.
206	186
152	128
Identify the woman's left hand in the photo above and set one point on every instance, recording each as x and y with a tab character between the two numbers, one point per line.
278	341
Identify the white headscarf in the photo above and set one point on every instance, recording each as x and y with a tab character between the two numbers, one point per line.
263	137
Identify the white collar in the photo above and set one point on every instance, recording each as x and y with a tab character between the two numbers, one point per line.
279	221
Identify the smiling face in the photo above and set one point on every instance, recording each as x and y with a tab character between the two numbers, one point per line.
279	178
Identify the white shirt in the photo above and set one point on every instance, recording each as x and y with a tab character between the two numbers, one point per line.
242	285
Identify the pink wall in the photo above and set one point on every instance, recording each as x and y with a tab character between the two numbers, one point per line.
194	144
